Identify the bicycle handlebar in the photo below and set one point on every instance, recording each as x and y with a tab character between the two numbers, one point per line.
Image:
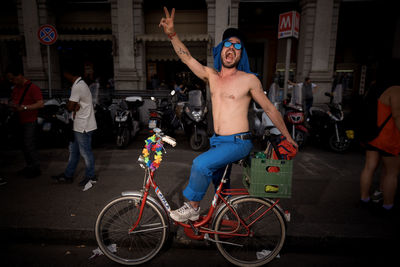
154	144
165	138
169	140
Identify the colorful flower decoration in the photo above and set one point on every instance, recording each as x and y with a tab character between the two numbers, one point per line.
153	144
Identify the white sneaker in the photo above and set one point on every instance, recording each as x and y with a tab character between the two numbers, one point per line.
184	213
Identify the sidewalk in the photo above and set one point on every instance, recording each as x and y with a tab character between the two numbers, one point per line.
323	206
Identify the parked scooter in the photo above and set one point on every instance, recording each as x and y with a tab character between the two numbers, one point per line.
194	120
54	123
104	120
326	124
260	124
126	119
294	120
164	116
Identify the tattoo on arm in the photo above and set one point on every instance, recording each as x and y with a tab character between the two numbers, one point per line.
183	52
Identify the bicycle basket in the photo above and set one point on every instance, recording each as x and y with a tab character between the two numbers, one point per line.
268	178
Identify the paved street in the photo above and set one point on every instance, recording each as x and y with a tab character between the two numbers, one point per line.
324	211
78	255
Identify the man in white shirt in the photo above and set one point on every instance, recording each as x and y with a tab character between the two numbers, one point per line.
275	94
306	94
81	105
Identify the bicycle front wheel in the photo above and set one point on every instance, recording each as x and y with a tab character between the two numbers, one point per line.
127	247
261	243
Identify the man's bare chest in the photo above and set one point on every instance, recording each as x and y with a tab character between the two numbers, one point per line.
228	91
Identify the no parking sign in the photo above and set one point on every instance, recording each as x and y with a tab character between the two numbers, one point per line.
47	34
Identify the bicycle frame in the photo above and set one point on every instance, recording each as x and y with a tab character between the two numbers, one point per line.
198	225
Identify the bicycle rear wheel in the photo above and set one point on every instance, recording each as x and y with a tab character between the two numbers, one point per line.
265	239
130	248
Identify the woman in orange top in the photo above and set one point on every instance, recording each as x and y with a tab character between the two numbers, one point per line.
389	141
387	146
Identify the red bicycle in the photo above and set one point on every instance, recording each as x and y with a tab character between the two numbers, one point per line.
247	230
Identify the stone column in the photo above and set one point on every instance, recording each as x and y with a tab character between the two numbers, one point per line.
317	44
125	74
28	19
140	56
210	30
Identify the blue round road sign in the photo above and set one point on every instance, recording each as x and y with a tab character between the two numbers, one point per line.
47	34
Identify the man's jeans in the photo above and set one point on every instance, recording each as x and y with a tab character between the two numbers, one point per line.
210	165
29	145
308	103
82	145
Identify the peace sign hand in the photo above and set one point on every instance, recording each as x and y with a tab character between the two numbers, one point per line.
168	22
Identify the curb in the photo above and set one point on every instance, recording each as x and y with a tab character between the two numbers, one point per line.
179	240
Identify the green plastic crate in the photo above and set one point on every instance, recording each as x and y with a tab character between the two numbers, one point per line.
261	183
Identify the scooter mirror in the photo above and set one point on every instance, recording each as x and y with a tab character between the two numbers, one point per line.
173	92
157	130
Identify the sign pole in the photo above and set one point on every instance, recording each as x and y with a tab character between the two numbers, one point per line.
287	66
289	26
47	35
49	68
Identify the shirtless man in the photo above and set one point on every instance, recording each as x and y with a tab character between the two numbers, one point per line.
231	91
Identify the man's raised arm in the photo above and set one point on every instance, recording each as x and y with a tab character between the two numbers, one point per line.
181	50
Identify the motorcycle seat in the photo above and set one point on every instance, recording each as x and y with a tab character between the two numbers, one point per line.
133	99
155	110
295	107
322	109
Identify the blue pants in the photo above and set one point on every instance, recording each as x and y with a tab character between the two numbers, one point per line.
210	165
82	145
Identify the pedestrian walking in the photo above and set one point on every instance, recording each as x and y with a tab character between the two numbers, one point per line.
383	141
84	123
306	94
275	94
181	91
26	99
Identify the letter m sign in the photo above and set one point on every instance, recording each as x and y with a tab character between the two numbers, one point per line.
289	24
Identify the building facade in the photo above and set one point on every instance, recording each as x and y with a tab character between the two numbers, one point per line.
120	40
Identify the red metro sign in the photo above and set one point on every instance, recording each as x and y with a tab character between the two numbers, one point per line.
289	25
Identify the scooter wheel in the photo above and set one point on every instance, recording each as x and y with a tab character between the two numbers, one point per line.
339	146
199	141
300	137
123	139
